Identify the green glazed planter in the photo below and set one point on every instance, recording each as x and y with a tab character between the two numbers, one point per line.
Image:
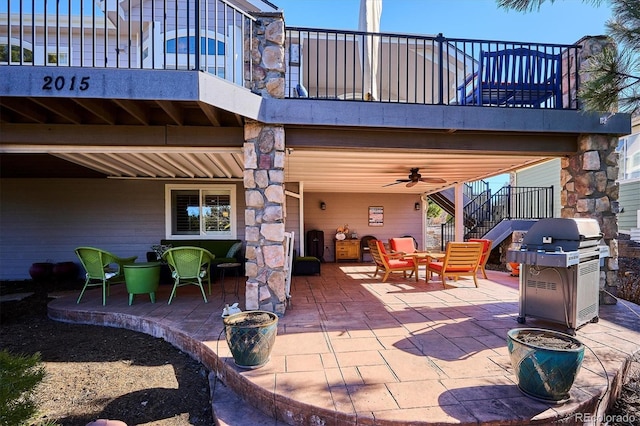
251	336
544	372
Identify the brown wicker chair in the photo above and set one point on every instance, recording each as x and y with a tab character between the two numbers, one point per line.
364	245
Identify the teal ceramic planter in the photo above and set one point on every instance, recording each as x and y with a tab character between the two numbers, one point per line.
142	278
251	336
545	362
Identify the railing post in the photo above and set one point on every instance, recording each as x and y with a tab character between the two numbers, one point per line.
441	70
509	202
197	28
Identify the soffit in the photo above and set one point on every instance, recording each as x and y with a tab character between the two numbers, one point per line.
319	170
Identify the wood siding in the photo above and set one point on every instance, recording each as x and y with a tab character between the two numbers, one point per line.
400	216
543	175
630	201
44	220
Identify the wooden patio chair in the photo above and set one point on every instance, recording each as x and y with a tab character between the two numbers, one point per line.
406	245
486	251
389	262
461	259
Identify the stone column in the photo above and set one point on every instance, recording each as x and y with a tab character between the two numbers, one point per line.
590	190
264	160
588	179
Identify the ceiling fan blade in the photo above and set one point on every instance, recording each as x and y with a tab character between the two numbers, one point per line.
394	183
432	180
412	183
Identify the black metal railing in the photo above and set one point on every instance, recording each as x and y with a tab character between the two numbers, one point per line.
214	36
154	34
434	70
508	203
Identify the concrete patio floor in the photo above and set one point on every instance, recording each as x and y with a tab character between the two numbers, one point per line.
352	350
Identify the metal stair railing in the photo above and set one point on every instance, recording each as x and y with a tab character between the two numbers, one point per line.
508	203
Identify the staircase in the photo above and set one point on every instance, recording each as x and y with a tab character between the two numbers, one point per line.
494	215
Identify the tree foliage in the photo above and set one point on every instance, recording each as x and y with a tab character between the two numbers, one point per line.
19	376
611	79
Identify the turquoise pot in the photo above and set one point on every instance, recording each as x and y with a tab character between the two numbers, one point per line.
251	336
544	371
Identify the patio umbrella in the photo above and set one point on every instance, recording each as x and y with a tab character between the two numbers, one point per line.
370	13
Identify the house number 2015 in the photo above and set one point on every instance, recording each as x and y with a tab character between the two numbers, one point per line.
60	83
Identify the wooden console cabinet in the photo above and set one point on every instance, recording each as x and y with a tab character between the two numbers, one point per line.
347	250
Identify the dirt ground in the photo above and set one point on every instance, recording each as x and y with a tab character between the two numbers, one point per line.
100	372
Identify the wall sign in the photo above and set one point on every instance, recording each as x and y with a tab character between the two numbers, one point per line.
376	216
59	83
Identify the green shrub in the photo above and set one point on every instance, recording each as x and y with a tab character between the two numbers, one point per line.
19	376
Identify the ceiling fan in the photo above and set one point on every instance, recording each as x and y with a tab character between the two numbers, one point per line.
416	177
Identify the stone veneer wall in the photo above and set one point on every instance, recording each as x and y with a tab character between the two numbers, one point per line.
264	160
589	189
588	179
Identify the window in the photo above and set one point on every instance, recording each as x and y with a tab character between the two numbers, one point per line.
205	211
15	54
629	162
188	45
60	58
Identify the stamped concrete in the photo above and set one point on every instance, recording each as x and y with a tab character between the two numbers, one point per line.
352	350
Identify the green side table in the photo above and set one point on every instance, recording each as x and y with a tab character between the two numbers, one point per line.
142	278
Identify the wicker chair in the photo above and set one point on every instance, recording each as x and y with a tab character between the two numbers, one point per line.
364	245
102	269
389	262
189	265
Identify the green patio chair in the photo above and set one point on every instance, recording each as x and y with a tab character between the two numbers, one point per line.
189	265
102	269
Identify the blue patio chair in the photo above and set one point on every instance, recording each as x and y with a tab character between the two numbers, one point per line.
514	77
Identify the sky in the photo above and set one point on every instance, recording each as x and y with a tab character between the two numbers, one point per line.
563	22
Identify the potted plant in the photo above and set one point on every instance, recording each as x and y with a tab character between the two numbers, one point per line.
545	362
251	336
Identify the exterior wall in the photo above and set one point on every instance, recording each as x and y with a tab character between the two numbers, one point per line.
630	201
46	219
543	175
400	216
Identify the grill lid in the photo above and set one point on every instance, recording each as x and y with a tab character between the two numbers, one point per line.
562	234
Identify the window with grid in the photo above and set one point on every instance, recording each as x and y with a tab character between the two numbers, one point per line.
200	211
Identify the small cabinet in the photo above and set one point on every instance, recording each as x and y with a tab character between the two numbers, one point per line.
347	250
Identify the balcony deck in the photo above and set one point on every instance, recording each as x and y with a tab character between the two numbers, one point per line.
352	350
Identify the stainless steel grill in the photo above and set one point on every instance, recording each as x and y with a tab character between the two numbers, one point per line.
560	271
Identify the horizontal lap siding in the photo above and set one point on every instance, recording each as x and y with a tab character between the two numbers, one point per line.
543	175
46	219
630	201
400	216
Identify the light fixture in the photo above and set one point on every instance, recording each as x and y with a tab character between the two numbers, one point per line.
323	206
416	206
